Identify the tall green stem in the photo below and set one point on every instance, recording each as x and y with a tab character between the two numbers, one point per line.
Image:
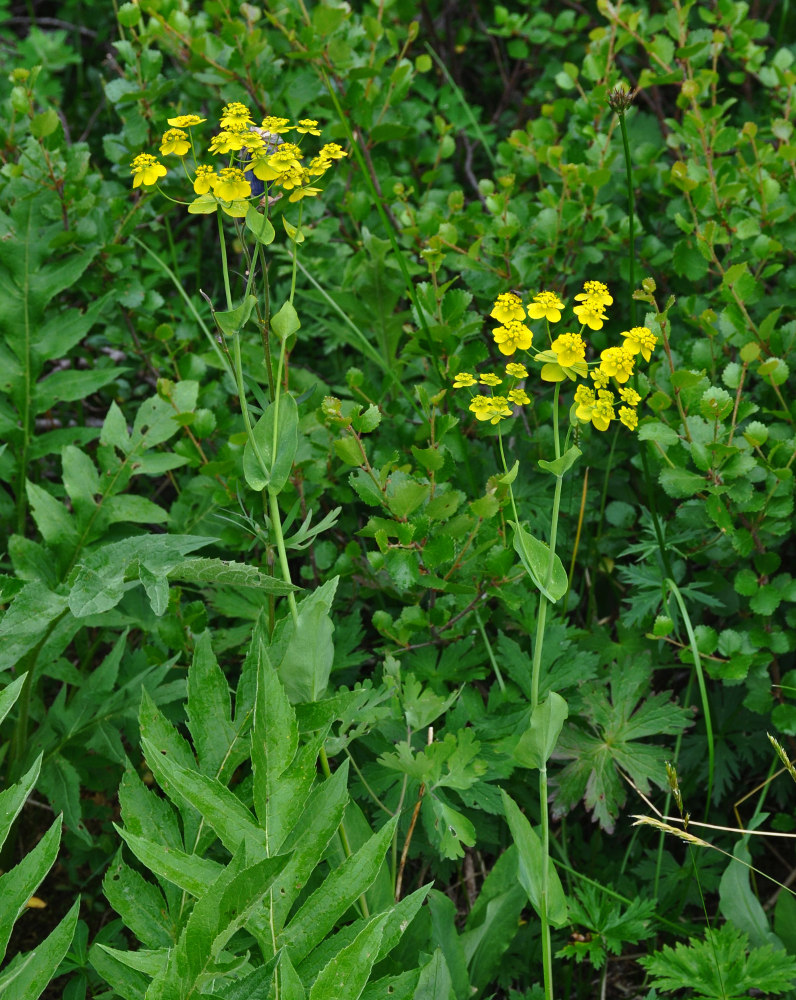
536	670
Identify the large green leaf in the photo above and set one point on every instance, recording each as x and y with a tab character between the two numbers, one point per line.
531	866
266	466
338	892
345	976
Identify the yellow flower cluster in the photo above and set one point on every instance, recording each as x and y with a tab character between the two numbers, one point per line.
564	359
258	156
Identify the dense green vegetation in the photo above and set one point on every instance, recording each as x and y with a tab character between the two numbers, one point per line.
338	661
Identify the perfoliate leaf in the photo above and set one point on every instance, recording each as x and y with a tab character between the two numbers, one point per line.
530	863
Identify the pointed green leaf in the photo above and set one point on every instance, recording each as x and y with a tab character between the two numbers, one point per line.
531	863
232	321
31	982
209	710
260	467
538	742
139	903
259	225
215	803
336	894
307	660
345	976
560	465
535	557
13	799
187	871
20	883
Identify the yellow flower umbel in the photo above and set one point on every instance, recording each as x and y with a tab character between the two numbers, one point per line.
175	141
512	337
546	305
507	308
146	170
231	185
640	340
565	359
490	408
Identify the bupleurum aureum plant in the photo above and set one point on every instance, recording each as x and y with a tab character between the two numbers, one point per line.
602	397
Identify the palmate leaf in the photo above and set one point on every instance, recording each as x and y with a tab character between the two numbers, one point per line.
617	725
722	966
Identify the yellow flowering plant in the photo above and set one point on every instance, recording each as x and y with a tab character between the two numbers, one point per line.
243	172
602	397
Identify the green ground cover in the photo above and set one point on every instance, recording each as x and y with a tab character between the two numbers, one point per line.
397	588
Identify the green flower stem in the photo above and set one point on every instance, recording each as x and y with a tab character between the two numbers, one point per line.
631	214
490	653
703	692
273	506
536	665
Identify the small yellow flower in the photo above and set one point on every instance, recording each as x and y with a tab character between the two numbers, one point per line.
175	141
227	142
584	400
331	151
599	378
569	349
513	336
463	380
278	126
546	305
489	378
519	397
508	307
603	412
640	340
304	192
628	417
205	179
629	396
617	362
516	370
268	168
307	126
232	185
236	115
491	408
318	166
146	170
591	314
565	359
185	121
596	292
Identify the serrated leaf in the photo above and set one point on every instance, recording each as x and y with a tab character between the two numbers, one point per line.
681	483
209	712
187	871
345	976
339	891
37	973
612	743
139	903
220	808
19	883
